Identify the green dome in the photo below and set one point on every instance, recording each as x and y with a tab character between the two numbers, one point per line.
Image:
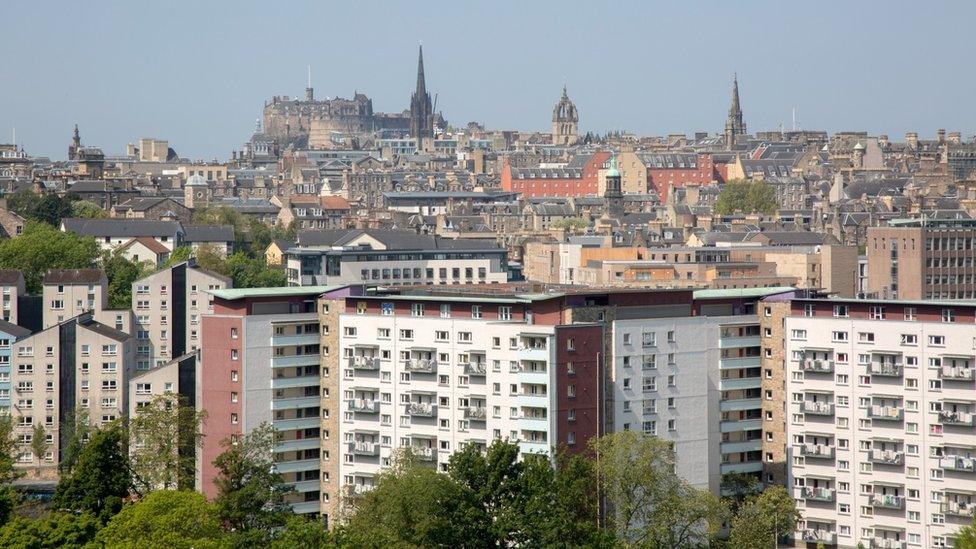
612	170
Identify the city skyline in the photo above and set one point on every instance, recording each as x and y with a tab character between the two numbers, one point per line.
122	74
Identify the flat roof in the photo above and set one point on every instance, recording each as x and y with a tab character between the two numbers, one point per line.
231	294
741	292
902	302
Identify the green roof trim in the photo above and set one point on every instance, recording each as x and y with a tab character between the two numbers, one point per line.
231	294
741	292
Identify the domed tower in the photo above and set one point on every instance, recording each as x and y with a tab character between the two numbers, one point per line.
565	121
196	192
613	196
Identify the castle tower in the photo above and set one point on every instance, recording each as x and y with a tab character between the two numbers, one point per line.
565	121
421	111
734	125
613	196
75	145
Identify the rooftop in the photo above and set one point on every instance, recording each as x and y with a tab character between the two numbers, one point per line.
232	294
741	292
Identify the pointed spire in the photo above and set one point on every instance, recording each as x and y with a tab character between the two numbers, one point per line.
421	83
76	137
734	109
565	95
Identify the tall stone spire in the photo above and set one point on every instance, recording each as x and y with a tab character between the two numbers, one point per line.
734	125
421	111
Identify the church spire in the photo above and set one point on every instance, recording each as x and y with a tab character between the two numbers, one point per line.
734	125
421	110
421	82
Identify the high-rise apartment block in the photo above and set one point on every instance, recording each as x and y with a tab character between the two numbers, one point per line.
880	408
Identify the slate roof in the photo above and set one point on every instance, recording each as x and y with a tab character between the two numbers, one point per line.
121	227
152	244
73	276
208	233
13	329
10	277
393	240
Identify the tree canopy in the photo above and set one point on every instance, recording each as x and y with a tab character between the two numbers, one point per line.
165	518
100	480
41	247
164	435
746	197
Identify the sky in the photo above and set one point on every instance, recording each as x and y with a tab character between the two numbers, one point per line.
197	72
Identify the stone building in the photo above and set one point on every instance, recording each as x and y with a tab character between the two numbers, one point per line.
565	121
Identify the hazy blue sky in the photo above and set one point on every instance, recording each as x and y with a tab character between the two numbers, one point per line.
196	72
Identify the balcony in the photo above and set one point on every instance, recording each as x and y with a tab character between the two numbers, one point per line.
290	382
296	466
817	451
296	423
364	405
354	490
424	453
475	368
957	463
887	543
817	366
884	501
421	409
364	363
958	508
738	383
816	408
296	402
825	537
735	362
300	339
885	369
948	417
949	373
475	413
740	404
819	494
886	413
305	507
364	448
287	361
886	457
731	342
420	365
297	444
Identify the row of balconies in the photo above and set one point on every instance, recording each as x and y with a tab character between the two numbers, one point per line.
419	365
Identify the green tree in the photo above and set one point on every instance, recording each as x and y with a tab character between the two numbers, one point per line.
966	537
52	209
650	505
250	492
746	197
42	247
763	520
77	429
248	272
527	501
164	436
412	505
571	224
179	255
121	273
304	533
738	487
87	209
54	531
39	444
100	480
8	451
24	203
165	518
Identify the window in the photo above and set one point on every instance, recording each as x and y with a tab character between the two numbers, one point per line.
417	309
841	311
937	340
504	313
877	312
445	310
464	337
476	311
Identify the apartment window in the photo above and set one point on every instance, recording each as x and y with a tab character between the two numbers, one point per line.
233	396
841	311
948	315
798	334
233	333
877	312
910	313
417	309
233	354
349	331
445	310
464	337
441	335
909	339
476	311
808	310
839	336
504	313
937	340
233	418
233	375
865	337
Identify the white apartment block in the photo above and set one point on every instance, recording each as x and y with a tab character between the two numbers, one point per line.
168	306
694	381
880	421
435	373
